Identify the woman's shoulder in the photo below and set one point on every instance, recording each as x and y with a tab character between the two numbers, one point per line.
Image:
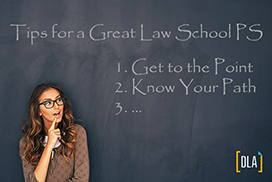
78	127
22	144
22	141
80	130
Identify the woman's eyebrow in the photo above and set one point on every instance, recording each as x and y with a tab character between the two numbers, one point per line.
45	99
57	96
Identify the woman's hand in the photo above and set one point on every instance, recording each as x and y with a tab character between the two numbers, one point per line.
53	135
42	167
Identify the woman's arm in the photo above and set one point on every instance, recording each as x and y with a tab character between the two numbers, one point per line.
42	167
81	171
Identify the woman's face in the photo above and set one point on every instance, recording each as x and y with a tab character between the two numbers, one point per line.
50	114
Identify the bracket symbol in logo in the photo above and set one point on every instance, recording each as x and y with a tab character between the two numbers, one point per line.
237	162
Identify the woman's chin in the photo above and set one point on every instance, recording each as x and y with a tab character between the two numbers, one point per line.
58	119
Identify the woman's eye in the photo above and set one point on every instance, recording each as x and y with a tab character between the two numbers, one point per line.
59	99
47	103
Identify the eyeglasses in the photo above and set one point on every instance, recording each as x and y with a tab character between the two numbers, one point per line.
50	103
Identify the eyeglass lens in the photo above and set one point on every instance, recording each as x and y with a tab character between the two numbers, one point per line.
49	104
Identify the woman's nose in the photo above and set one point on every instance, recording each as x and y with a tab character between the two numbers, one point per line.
56	105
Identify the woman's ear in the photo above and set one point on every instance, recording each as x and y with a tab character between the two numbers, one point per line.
40	114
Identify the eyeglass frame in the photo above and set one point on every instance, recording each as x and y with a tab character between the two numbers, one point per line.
54	101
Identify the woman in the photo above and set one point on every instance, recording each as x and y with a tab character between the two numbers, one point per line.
53	147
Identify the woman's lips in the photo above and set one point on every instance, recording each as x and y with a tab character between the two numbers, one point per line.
57	114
